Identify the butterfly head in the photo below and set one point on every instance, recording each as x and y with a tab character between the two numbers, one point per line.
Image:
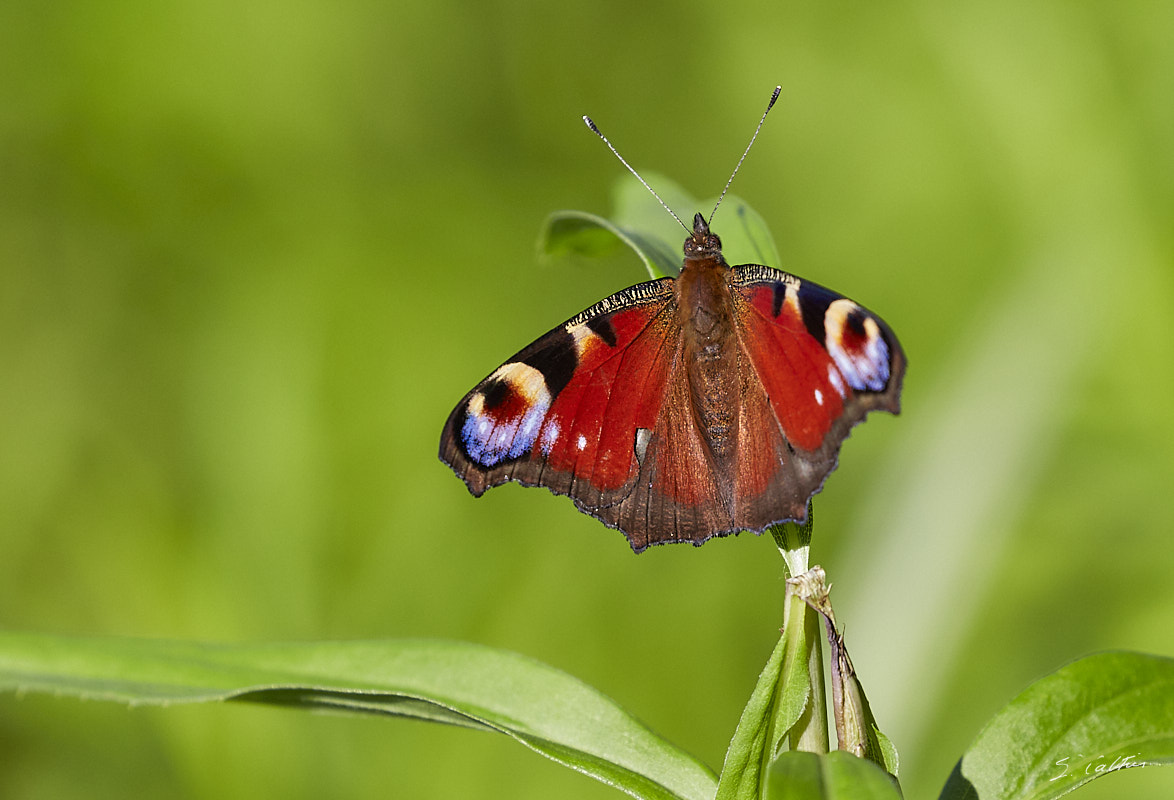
702	244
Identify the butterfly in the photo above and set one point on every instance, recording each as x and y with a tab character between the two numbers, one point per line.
683	408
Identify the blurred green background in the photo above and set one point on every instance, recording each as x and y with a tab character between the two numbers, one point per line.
252	254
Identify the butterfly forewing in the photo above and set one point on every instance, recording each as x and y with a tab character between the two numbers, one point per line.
821	357
565	411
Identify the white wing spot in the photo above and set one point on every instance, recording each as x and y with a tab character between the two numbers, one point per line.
836	381
643	436
549	436
582	441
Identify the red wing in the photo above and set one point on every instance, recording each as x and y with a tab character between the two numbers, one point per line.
600	409
564	412
810	365
679	494
816	364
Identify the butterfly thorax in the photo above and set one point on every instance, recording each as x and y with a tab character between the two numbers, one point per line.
706	315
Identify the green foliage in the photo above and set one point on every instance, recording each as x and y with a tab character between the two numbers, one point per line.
449	682
1118	706
249	262
1096	716
751	749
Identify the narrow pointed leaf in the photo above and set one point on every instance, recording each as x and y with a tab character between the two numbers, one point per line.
780	699
1098	715
450	682
856	728
750	749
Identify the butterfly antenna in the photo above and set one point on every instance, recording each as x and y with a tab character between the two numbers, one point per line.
769	106
598	133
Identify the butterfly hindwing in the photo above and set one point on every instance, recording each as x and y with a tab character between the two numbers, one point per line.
678	494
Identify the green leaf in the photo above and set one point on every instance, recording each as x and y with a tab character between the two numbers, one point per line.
1098	715
640	222
781	698
832	776
636	209
749	752
591	236
450	682
744	234
890	760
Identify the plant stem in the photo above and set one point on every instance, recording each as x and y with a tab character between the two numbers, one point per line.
801	628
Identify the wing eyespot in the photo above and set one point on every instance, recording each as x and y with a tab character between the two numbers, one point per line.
503	418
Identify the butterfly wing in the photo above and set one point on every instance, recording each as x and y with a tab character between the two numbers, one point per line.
815	364
678	493
600	409
565	412
810	365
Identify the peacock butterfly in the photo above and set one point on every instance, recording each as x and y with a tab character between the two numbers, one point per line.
682	409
